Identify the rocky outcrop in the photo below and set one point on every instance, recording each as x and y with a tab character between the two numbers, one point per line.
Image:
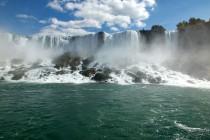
88	72
66	60
18	73
194	34
2	79
193	48
140	77
86	62
101	77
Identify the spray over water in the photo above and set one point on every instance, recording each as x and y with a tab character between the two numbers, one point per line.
124	58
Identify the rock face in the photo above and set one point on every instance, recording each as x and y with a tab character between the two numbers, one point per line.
88	72
17	74
67	59
61	72
86	62
194	47
154	80
101	74
192	57
2	79
194	35
101	77
139	77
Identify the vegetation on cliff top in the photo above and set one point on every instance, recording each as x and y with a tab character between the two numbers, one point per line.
192	22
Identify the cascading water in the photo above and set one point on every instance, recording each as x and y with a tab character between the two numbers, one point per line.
123	39
115	58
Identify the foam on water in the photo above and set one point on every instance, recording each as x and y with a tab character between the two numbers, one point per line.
189	129
170	77
122	51
46	73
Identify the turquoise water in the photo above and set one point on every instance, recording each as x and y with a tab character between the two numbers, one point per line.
102	111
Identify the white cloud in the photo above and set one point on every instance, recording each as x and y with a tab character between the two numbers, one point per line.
72	27
30	17
25	16
56	30
115	29
43	21
114	14
85	23
56	5
140	24
150	2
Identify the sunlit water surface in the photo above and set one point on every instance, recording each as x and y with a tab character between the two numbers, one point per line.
102	111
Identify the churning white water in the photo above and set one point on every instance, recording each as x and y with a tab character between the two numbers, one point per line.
124	52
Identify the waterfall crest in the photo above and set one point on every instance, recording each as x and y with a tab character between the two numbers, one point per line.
124	58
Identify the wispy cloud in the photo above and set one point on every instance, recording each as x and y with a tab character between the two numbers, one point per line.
56	5
25	16
30	17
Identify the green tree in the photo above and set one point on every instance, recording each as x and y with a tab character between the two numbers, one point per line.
194	21
158	29
182	25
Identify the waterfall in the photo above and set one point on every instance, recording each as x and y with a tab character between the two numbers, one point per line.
91	42
117	58
171	38
88	43
123	39
9	39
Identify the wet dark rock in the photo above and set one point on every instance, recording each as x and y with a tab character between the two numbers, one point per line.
74	68
17	74
96	64
75	61
138	77
190	81
141	75
86	62
2	79
99	70
154	80
61	72
44	74
89	72
107	71
100	77
67	59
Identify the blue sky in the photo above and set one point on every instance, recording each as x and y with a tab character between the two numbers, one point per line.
77	16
